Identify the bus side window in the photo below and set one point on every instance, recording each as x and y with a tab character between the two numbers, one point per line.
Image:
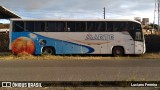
122	26
116	27
80	26
51	26
100	27
60	26
43	26
90	27
39	26
119	26
46	27
71	26
109	26
105	23
29	26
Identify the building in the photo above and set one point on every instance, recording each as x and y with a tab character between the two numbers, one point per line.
7	14
145	21
4	29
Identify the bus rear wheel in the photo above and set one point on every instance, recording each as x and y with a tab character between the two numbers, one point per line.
48	51
118	51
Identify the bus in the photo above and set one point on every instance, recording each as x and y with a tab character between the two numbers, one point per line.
66	36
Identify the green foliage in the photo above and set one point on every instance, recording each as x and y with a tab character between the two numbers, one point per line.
154	25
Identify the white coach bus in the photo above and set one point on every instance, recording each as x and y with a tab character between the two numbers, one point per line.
114	36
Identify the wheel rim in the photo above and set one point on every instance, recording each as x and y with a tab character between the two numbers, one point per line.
48	51
118	51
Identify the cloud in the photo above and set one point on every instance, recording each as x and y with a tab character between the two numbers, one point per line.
24	4
79	8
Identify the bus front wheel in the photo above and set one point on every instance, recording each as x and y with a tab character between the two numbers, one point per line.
48	51
118	51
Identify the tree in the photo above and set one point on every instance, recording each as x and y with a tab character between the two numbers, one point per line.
154	25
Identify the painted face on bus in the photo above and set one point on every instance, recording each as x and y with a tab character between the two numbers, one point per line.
23	44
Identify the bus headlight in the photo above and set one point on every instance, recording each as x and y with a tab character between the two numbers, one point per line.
42	42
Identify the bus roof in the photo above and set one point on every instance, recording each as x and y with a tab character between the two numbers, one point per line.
17	19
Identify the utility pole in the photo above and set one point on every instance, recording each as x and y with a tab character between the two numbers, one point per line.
104	12
154	15
157	14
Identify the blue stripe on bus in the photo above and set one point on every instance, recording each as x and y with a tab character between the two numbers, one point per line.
61	46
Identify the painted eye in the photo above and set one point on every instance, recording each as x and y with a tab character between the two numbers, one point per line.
42	42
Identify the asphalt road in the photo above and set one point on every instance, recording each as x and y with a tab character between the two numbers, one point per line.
79	70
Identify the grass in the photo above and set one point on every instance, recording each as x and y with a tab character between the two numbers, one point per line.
25	56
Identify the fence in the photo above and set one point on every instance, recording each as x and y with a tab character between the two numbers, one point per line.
4	41
152	43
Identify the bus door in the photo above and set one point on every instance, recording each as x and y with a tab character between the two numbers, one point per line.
139	41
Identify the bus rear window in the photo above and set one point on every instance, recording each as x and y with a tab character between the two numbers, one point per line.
18	26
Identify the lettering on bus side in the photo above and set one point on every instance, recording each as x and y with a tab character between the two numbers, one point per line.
99	37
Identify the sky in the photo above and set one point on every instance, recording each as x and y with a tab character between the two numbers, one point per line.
81	9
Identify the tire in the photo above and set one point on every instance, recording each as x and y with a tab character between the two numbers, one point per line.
118	51
48	51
